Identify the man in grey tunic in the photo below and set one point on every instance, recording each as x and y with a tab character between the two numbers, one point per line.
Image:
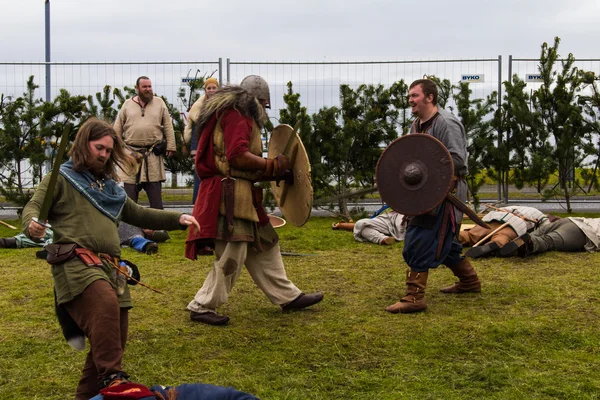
430	238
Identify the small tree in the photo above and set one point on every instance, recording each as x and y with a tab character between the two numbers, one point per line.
296	116
557	103
475	115
399	99
29	131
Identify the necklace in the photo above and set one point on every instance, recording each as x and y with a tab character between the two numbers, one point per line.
98	184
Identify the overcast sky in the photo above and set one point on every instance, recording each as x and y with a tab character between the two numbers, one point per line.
305	30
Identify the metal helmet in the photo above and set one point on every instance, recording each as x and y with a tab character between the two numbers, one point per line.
258	87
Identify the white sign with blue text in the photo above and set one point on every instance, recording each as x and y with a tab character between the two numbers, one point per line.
472	78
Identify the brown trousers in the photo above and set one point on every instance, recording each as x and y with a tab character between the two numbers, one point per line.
99	316
153	190
475	234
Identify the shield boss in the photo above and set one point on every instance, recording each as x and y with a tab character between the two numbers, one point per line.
414	174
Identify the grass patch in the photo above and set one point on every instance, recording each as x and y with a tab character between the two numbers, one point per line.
532	332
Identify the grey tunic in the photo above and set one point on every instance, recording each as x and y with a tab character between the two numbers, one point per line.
448	130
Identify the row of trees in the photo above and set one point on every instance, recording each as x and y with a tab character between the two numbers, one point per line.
29	128
528	139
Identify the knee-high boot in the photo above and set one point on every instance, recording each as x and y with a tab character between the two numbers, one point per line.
467	278
414	301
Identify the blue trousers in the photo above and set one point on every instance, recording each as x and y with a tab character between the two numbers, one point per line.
421	243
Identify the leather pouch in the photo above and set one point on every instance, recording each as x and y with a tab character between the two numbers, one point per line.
88	257
59	253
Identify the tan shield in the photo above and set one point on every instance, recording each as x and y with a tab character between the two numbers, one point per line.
414	174
295	200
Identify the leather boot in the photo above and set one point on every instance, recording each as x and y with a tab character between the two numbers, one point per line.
8	243
467	278
414	301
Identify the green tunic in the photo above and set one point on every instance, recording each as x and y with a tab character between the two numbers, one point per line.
75	220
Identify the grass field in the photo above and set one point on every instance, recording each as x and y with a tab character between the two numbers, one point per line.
532	333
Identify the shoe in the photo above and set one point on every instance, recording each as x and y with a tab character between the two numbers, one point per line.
151	248
160	236
303	301
42	254
388	241
518	245
485	250
209	318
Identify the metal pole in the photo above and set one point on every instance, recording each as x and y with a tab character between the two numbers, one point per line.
48	50
499	130
220	71
508	137
228	71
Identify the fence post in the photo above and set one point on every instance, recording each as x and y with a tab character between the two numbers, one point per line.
47	34
228	71
499	130
220	71
508	137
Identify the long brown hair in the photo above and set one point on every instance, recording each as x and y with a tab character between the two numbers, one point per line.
95	129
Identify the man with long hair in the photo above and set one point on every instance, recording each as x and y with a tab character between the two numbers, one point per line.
87	205
229	205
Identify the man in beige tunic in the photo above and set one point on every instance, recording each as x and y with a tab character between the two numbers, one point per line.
143	122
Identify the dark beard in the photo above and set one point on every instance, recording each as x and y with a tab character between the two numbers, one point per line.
145	99
98	169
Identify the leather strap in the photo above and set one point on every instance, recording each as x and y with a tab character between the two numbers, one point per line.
445	218
228	192
88	257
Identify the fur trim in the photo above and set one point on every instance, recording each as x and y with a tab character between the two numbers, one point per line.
234	97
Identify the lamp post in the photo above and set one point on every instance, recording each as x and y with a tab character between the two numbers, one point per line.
47	50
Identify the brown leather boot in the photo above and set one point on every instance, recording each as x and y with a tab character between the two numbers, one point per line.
414	301
467	278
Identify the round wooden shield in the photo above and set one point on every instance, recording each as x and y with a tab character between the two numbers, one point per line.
414	174
294	200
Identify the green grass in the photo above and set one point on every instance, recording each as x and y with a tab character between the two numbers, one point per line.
531	334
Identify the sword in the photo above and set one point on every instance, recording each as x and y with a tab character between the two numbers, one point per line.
45	209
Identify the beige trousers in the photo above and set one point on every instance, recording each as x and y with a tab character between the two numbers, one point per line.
266	269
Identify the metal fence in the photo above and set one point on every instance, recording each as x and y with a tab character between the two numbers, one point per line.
317	82
88	78
527	69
